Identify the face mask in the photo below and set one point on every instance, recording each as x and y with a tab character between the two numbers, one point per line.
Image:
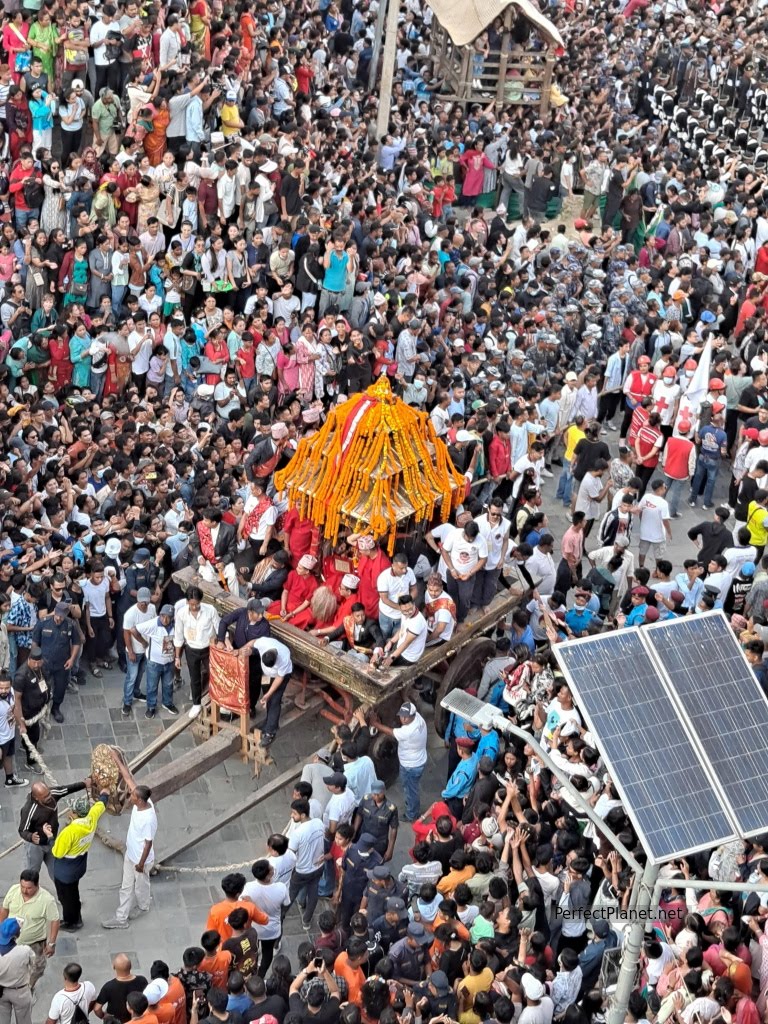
179	506
87	538
689	373
100	548
36	578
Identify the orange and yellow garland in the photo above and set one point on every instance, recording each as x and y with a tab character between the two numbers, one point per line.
370	466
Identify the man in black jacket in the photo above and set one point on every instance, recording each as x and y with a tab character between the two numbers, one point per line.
40	810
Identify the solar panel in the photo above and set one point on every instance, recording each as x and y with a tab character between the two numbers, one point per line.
725	706
660	777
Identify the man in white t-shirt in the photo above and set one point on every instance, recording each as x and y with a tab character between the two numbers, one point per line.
465	554
655	529
411	736
439	611
142	611
393	583
75	993
138	860
494	530
270	896
408	646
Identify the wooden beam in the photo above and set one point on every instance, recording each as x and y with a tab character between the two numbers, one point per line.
233	813
166	736
170	778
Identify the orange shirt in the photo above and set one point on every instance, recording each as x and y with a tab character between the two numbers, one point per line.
219	912
165	1013
218	967
176	999
146	1018
353	975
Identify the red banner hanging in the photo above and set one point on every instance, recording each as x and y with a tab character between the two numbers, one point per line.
228	685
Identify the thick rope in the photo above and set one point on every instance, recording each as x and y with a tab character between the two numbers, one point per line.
44	718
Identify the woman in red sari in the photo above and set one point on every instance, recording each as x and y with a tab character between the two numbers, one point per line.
217	352
200	24
128	181
155	144
19	122
60	370
300	585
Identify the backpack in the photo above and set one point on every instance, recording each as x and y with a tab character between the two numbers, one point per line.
79	1016
603	586
33	193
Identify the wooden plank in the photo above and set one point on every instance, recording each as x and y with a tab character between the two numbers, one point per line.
170	778
255	798
166	736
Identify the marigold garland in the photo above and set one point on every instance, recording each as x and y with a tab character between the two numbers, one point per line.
373	460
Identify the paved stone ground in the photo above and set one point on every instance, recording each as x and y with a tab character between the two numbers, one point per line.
181	900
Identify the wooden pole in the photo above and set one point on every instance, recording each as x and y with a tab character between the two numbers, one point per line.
388	68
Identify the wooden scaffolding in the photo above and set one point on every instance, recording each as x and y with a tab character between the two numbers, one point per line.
511	74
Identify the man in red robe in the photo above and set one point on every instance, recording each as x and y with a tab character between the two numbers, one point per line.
294	603
371	562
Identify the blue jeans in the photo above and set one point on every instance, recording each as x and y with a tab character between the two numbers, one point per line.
564	483
705	471
388	626
159	674
24	216
132	681
409	780
674	493
119	291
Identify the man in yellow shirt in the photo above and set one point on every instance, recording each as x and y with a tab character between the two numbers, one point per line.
571	437
230	115
70	858
36	907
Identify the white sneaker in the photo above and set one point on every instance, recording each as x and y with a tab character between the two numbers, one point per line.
546	472
611	426
195	710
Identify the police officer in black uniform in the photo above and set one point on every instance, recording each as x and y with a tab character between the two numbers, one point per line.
436	998
359	859
32	694
392	925
59	640
378	816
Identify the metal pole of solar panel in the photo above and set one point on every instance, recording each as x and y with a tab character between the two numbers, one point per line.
633	945
502	725
388	68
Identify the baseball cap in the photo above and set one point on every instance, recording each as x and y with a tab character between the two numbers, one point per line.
417	931
336	779
407	710
167	609
394	905
143	594
571	376
155	991
440	981
377	787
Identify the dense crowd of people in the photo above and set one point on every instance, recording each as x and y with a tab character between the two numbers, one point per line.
204	247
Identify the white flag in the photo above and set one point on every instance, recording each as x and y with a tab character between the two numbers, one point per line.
697	389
